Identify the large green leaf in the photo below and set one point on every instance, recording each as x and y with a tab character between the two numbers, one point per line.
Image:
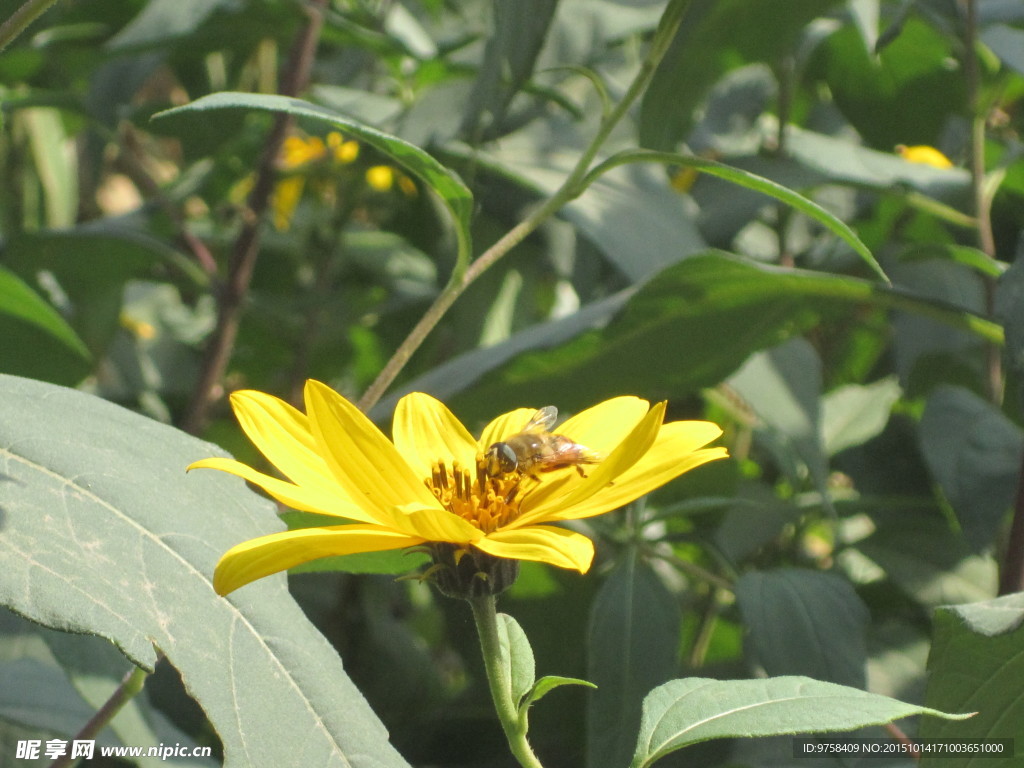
803	622
449	187
689	327
976	665
684	712
631	647
105	533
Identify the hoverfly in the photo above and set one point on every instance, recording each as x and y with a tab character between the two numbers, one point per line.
537	449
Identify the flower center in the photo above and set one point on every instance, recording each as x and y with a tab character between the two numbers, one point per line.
487	502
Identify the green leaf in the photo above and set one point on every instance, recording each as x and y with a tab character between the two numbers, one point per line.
105	534
453	193
1007	43
612	207
920	554
976	664
90	266
547	684
783	387
20	304
56	166
690	327
509	59
517	657
973	452
710	41
163	20
748	181
684	712
854	414
803	622
631	646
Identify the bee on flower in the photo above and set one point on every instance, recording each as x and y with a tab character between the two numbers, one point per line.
436	486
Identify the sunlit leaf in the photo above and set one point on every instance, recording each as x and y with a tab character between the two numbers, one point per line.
688	711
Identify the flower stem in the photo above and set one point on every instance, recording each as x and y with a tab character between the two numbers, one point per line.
125	692
486	616
574	185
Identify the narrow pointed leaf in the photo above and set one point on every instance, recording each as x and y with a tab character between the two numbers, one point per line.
750	181
547	684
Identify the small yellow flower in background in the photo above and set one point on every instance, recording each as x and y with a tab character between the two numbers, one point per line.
296	151
430	485
924	154
380	177
344	152
287	193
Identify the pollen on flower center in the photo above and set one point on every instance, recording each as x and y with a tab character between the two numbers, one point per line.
485	501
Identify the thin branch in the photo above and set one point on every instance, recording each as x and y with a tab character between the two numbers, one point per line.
243	257
19	21
574	185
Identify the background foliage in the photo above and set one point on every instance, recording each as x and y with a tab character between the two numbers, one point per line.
875	428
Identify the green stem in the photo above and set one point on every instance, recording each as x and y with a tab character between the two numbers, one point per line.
21	18
125	692
486	616
572	187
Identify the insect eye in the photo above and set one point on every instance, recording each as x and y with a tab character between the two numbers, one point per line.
501	459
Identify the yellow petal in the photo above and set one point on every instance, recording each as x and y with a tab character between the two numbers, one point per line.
265	555
606	424
505	426
424	431
363	461
673	454
540	505
305	498
281	433
542	543
431	523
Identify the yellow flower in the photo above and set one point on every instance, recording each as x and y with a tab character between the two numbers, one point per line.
287	193
344	152
429	485
380	177
924	154
296	151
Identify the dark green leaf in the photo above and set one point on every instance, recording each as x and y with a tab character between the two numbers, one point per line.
631	647
804	622
105	533
974	454
976	665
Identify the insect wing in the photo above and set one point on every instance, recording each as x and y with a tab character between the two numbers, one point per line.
543	420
